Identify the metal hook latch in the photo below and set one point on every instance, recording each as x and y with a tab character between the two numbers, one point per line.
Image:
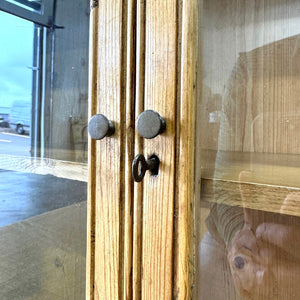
140	166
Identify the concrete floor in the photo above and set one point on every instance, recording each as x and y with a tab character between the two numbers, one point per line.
42	237
43	257
24	195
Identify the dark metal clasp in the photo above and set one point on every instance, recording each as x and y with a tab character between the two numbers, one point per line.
140	166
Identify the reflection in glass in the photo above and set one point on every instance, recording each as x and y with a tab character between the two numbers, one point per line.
258	251
250	189
43	155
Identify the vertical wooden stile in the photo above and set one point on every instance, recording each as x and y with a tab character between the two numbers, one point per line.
110	193
158	192
184	262
138	187
108	161
93	58
129	146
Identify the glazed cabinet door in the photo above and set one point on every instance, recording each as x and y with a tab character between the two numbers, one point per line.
248	123
219	219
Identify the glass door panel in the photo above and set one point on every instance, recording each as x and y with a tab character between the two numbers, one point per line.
250	119
43	154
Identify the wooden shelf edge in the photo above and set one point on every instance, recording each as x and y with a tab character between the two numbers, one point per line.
271	198
45	166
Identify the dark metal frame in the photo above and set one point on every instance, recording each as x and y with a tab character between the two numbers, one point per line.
40	13
37	90
34	4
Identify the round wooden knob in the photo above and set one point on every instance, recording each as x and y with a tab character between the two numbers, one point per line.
100	127
150	124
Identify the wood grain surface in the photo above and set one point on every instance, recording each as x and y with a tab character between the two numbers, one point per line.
139	142
129	146
91	204
271	198
262	181
252	167
158	193
109	157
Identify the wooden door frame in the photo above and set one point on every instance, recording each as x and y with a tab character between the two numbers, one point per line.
187	168
110	211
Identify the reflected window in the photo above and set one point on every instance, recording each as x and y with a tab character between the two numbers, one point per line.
16	84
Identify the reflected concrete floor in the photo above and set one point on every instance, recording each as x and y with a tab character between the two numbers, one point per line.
24	195
43	257
43	250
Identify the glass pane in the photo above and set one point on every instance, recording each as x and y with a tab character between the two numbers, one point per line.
43	155
249	235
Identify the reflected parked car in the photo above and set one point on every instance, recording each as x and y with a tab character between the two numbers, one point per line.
20	116
4	117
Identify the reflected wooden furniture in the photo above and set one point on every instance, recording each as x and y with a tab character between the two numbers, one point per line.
254	160
44	166
250	155
261	181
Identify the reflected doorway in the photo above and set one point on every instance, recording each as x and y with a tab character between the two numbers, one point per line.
16	82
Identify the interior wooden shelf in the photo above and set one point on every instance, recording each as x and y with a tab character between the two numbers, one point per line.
261	181
45	166
263	168
269	198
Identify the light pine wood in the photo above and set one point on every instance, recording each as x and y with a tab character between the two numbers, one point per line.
44	166
199	221
231	177
91	204
252	167
129	146
158	251
138	188
109	157
158	193
271	198
108	153
184	263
